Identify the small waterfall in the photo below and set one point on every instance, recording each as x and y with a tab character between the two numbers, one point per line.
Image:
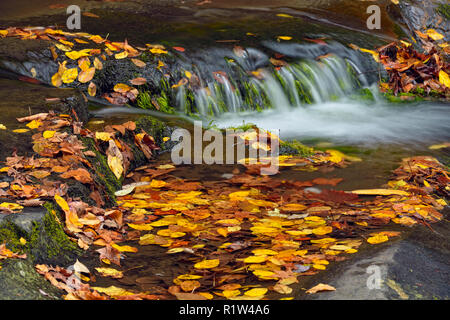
294	85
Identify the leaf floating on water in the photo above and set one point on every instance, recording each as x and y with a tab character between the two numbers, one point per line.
284	38
180	49
110	272
379	238
283	15
321	287
381	192
207	264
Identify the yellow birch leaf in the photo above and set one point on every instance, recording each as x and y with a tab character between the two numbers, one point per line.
34	124
69	75
121	55
110	272
379	238
284	37
444	78
48	134
2	127
433	34
124	248
381	192
146	227
207	264
115	164
256	292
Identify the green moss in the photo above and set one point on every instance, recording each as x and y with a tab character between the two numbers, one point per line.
10	235
363	94
294	147
103	174
49	243
244	126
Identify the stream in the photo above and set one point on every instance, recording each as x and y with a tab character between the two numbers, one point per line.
325	97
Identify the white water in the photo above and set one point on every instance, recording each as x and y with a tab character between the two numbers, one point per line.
352	122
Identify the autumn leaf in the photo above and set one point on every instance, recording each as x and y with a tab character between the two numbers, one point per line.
381	192
321	287
379	238
69	75
433	34
92	89
138	81
444	78
207	264
138	63
86	75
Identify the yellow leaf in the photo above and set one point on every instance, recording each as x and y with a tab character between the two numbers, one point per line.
293	207
124	248
92	89
74	55
379	238
157	51
207	264
69	75
157	184
62	203
86	75
62	47
115	164
22	241
444	78
105	136
231	293
207	295
20	130
98	64
256	292
2	127
380	192
322	230
34	124
121	55
188	74
255	259
113	291
48	134
433	34
3	33
122	88
439	146
321	287
11	206
110	272
374	54
283	15
284	37
189	277
140	226
56	80
259	252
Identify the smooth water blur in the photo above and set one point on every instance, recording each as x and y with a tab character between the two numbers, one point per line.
353	122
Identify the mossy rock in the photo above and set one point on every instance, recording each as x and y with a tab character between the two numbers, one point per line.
294	147
20	281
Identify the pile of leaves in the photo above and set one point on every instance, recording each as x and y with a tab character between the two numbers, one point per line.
93	50
415	72
241	238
